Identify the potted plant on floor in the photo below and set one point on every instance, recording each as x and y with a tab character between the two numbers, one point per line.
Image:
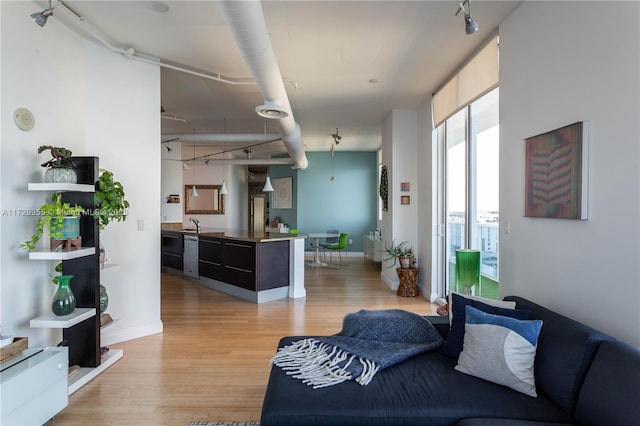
400	252
60	168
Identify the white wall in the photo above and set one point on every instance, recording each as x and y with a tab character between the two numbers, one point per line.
399	147
562	62
94	103
121	106
427	191
41	71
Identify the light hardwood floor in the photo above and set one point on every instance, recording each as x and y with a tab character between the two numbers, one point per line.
211	361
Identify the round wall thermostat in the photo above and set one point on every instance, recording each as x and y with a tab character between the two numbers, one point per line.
24	119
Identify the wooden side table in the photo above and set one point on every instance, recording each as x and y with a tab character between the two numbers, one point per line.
408	282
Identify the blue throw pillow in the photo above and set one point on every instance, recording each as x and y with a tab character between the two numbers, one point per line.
500	349
453	345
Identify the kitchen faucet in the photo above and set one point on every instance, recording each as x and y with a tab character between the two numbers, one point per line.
196	222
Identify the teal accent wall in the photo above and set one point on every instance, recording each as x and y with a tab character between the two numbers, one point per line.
348	203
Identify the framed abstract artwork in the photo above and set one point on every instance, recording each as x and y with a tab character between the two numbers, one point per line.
282	193
556	173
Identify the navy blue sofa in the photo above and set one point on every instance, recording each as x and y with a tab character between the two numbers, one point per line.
582	377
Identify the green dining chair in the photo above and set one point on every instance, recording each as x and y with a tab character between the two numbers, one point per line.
339	247
329	241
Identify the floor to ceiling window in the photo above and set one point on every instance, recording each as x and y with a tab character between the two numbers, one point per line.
470	141
465	116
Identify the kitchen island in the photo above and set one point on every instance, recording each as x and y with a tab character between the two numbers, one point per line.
258	267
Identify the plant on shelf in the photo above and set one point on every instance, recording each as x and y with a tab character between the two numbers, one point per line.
60	168
399	251
52	215
110	204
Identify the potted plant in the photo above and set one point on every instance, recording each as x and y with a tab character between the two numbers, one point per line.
60	168
400	252
61	219
110	204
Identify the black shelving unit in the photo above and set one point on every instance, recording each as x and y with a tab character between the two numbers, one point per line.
83	339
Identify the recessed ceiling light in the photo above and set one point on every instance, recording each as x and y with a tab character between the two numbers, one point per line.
159	7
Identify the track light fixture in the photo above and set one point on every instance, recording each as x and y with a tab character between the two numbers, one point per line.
336	137
40	18
471	26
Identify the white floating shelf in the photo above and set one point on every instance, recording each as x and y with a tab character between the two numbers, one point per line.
86	374
63	321
62	255
109	266
61	187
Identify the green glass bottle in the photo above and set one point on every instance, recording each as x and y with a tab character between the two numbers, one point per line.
64	302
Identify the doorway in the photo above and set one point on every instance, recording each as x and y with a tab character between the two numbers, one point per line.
258	200
257	212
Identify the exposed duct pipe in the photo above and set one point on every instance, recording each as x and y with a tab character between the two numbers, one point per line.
247	24
220	137
130	53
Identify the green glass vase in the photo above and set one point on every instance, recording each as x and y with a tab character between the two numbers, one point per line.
467	270
64	302
104	299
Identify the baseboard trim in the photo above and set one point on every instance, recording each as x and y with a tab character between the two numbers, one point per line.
111	335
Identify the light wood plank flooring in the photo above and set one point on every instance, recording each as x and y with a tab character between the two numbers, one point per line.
211	362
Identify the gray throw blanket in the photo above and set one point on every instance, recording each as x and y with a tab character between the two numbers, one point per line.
369	341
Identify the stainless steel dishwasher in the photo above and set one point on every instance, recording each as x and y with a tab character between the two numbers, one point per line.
190	256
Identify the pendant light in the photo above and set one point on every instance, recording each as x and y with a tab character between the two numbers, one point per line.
194	191
267	183
223	187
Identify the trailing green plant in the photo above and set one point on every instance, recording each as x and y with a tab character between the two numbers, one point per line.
397	250
51	215
109	200
60	157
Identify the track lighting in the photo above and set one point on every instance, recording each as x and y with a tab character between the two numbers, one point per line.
40	18
471	26
336	137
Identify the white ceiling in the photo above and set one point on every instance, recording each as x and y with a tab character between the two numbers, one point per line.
327	51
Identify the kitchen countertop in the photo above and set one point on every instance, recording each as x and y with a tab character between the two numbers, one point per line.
240	235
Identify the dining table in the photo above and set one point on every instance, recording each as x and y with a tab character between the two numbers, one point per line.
316	237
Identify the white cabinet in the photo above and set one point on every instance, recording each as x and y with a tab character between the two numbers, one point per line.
33	386
372	248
